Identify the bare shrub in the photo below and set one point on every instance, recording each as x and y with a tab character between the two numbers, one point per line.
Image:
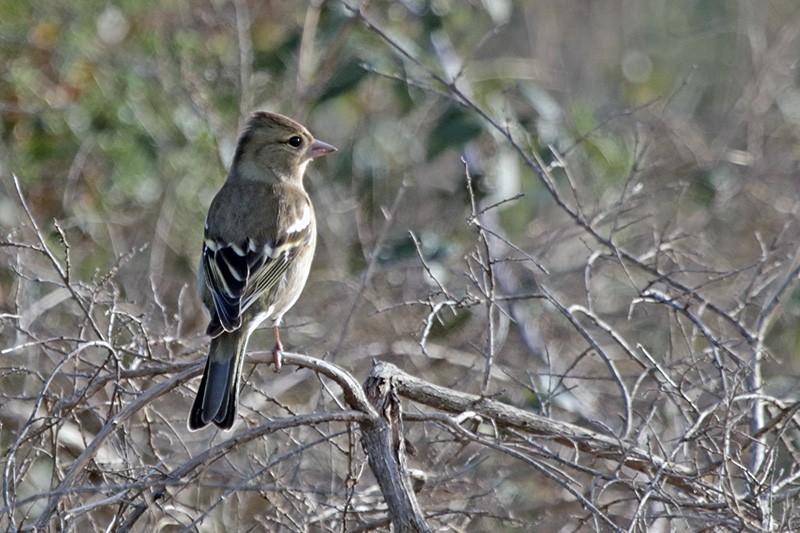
598	345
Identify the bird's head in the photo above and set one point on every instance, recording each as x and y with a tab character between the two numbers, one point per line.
275	147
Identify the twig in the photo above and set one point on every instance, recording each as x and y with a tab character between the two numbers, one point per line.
367	276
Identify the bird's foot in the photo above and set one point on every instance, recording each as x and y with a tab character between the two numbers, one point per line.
277	357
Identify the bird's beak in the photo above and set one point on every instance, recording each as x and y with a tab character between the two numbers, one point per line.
318	149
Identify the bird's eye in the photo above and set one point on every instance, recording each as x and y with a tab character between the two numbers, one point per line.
295	141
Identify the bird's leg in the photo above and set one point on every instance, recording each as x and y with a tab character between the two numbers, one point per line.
277	351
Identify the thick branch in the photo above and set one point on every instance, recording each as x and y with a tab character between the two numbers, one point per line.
351	389
507	416
385	445
382	437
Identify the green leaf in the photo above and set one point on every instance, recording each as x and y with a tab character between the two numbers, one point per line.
345	80
454	129
702	188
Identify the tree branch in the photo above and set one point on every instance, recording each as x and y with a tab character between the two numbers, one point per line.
506	416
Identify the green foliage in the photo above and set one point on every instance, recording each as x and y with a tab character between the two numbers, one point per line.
454	128
610	156
346	78
703	190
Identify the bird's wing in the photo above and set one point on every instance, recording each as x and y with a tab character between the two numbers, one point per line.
237	275
227	269
279	259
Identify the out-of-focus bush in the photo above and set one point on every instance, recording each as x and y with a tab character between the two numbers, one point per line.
666	130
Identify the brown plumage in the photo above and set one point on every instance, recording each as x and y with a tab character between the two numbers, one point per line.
258	246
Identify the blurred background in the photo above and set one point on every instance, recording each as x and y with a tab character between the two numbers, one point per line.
671	127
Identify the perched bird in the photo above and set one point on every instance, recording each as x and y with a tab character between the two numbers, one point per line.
259	241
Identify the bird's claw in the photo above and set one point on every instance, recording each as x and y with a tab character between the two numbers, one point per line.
277	357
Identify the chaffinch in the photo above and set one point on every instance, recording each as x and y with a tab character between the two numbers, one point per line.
259	241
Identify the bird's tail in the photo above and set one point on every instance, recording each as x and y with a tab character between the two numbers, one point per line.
218	395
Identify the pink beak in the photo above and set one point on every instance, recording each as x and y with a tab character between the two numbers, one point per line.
318	149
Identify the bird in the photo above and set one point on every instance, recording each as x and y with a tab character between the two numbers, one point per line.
258	245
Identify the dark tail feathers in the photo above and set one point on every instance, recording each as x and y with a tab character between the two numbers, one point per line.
218	395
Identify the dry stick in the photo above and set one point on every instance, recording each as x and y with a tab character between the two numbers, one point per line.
756	381
216	452
612	368
385	444
62	272
379	436
305	66
435	307
371	265
504	415
353	475
12	450
308	89
455	425
460	98
353	393
243	23
488	285
64	275
382	437
108	429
